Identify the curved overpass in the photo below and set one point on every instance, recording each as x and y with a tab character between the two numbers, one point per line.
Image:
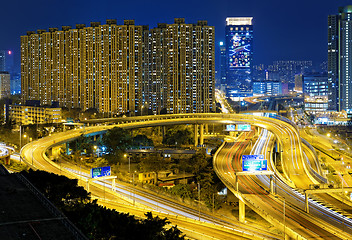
294	165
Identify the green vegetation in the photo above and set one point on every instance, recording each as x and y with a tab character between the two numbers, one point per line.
116	140
95	221
201	166
178	135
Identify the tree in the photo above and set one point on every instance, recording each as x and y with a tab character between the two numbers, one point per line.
182	190
98	222
141	140
153	163
116	140
178	135
60	190
81	145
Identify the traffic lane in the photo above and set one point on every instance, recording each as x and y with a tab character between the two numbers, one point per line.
259	193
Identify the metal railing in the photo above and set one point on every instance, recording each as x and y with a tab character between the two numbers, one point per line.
52	209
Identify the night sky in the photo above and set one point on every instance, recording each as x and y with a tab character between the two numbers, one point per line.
283	30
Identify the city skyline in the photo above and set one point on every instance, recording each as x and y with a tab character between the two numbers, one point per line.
121	69
278	26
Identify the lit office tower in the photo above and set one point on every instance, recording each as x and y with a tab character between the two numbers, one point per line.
222	63
4	85
239	52
121	69
2	61
340	59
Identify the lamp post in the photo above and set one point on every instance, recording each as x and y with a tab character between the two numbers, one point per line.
198	201
32	154
20	141
129	165
284	218
134	197
95	149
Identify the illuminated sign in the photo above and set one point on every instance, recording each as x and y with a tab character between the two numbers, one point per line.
230	128
240	50
243	127
100	172
253	163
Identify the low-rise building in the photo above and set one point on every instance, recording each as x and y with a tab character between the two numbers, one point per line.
31	115
315	89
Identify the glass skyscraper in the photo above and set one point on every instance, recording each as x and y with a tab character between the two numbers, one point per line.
239	55
340	59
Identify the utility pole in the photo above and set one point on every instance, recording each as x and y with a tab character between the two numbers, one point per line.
198	201
20	141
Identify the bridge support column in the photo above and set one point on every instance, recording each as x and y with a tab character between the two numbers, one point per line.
113	184
256	131
236	182
201	140
7	160
163	130
306	201
206	129
242	211
271	184
196	135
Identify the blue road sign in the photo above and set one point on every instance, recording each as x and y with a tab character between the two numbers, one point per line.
243	127
100	172
230	128
254	163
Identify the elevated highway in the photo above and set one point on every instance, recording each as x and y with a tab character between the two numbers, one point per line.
296	172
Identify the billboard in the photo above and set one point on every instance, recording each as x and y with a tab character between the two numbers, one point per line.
230	128
100	172
240	50
254	163
243	127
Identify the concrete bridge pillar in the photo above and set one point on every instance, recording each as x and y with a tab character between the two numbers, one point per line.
7	160
201	140
242	211
206	129
271	184
195	134
306	195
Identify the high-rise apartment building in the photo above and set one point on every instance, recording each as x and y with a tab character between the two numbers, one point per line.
181	67
340	59
4	84
121	68
239	54
222	63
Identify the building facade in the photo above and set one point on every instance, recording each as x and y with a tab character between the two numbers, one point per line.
121	69
315	90
339	59
222	63
239	54
5	90
269	88
2	61
24	115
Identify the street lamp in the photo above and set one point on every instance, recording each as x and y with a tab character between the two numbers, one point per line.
95	149
129	164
